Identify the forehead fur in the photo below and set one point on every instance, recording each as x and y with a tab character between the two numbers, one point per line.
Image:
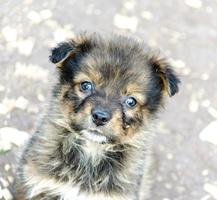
116	61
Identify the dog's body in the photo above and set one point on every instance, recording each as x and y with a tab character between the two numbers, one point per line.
95	141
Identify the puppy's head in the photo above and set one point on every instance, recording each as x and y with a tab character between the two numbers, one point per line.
110	88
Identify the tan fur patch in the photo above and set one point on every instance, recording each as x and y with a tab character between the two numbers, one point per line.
91	76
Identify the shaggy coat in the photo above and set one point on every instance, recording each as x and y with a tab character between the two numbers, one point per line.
95	140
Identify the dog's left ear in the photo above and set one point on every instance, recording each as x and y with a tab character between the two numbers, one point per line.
167	75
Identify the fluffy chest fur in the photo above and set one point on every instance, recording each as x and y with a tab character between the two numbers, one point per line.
78	170
91	166
42	187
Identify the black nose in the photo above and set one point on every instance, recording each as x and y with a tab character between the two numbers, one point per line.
100	116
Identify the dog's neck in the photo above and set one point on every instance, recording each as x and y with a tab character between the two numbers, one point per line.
94	149
95	167
92	166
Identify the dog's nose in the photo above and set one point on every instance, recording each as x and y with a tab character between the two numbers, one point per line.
100	116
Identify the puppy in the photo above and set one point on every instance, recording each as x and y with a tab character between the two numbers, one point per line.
94	143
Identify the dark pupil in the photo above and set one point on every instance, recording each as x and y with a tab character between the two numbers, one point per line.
86	85
131	102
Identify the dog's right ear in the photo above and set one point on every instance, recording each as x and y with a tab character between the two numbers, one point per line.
61	52
79	45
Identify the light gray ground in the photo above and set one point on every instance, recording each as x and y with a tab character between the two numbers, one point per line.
184	30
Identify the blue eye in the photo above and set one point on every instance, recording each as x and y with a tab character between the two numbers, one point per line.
131	102
86	86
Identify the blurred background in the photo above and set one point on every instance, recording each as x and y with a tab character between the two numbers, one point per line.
185	31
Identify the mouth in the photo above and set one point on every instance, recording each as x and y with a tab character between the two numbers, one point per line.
95	136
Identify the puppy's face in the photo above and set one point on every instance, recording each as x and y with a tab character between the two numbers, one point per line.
110	88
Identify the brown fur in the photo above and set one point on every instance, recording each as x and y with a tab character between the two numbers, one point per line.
71	156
